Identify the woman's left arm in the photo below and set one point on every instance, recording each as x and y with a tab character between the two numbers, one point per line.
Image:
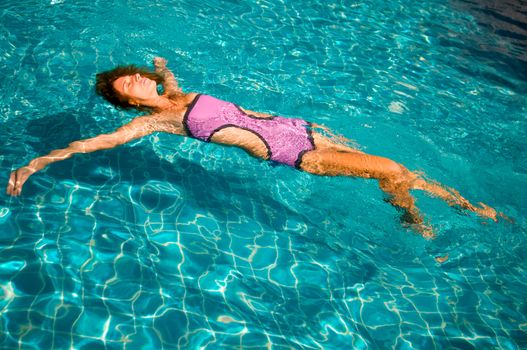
170	83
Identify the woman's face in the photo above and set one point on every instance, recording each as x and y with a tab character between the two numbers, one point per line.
135	89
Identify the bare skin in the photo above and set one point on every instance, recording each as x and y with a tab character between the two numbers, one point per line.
329	158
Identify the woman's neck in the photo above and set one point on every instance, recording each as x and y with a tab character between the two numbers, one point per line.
160	103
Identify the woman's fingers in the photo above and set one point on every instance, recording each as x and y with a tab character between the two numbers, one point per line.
14	182
160	61
11	183
13	187
17	180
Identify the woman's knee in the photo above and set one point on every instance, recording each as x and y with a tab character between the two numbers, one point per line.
394	171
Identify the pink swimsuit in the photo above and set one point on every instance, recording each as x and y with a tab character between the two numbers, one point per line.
286	139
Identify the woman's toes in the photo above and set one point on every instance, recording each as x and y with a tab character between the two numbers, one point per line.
487	211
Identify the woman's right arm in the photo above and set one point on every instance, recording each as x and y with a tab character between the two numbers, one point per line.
138	127
170	83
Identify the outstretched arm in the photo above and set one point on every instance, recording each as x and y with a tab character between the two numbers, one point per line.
170	84
136	128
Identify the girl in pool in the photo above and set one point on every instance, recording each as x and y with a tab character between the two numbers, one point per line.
290	141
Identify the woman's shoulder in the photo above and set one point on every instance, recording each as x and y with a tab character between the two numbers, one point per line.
189	97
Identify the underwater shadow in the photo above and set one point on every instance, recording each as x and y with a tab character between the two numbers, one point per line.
138	165
53	131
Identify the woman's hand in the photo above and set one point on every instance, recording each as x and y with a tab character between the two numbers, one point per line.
17	180
160	62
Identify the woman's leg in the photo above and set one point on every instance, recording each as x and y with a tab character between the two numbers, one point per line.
394	179
453	198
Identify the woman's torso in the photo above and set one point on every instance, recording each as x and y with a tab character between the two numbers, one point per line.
280	139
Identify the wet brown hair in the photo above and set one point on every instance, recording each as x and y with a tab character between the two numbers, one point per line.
104	83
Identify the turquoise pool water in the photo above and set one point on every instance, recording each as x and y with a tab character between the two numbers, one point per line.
169	243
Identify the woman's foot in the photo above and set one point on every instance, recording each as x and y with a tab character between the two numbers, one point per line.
413	220
486	212
426	231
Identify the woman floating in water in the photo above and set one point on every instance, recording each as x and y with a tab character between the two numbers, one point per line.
290	141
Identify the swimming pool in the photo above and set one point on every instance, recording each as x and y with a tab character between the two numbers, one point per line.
171	243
